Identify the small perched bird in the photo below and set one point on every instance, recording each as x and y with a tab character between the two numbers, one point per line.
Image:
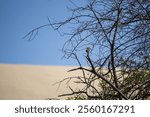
88	50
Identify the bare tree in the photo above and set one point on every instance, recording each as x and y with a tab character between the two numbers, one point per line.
115	34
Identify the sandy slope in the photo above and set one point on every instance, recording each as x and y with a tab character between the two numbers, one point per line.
32	82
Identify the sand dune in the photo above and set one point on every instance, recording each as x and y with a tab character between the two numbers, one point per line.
32	82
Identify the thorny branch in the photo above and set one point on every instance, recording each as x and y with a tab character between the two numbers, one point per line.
117	31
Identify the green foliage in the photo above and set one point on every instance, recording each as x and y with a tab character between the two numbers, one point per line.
117	33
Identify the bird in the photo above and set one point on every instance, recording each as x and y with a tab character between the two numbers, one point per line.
88	50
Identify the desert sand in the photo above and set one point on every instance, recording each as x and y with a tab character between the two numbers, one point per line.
18	82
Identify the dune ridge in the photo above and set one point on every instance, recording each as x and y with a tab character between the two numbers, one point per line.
32	81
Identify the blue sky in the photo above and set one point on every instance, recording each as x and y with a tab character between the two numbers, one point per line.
17	18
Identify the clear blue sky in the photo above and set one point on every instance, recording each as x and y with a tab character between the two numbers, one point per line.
17	18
